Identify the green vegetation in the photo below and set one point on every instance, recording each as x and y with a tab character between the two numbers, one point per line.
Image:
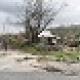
41	49
66	31
35	49
63	56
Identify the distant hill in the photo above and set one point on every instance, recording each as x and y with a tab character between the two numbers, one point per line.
64	30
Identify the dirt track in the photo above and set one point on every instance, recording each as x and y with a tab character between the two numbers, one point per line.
12	61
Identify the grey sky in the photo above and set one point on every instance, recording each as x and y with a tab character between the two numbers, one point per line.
70	14
9	9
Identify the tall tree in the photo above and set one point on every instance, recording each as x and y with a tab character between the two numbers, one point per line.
38	17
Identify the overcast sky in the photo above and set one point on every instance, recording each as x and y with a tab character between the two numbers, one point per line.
69	15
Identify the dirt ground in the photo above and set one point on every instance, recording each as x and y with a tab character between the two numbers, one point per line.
13	61
16	61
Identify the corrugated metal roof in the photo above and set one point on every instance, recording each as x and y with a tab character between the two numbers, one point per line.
46	33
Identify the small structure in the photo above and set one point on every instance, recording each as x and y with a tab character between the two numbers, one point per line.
50	40
48	37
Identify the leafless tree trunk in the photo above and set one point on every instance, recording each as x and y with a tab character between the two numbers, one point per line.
38	14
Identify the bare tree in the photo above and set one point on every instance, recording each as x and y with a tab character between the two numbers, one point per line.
38	16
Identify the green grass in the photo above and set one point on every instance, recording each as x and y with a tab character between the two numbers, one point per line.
63	56
53	55
35	49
